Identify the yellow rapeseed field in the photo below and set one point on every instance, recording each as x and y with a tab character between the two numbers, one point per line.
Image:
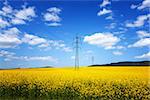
104	83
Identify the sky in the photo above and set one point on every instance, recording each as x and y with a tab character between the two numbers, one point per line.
37	33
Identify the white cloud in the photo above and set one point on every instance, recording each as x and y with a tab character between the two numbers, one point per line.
9	38
15	16
141	43
61	46
31	58
139	22
67	49
45	43
25	13
115	47
9	56
133	6
143	34
109	17
117	53
106	40
54	10
103	12
54	24
147	56
3	23
121	30
119	47
145	4
7	9
4	53
52	16
14	31
39	58
111	26
33	40
105	3
17	21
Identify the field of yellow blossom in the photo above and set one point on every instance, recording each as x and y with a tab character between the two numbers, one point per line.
86	83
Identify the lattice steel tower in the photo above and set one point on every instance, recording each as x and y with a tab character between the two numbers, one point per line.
77	52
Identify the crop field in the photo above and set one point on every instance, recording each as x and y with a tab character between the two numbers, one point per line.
86	83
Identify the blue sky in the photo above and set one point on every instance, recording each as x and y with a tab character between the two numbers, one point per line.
41	33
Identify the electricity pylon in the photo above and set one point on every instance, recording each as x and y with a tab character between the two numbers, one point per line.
77	52
92	60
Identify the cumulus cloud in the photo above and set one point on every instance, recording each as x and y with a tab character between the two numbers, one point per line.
54	10
119	47
115	47
109	17
9	38
147	56
67	49
143	34
106	40
4	53
33	40
16	16
9	56
52	16
117	53
7	9
133	6
105	3
60	46
139	22
30	58
17	21
103	12
54	24
26	13
39	58
45	43
141	43
14	31
3	23
145	4
111	26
